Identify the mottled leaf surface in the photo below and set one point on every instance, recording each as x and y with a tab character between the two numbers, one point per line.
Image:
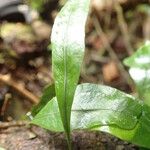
102	108
67	53
112	106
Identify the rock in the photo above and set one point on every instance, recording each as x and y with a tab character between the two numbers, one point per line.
110	72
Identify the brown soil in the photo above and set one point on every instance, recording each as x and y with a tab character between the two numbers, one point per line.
27	137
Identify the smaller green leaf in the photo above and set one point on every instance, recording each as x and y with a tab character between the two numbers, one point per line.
144	8
141	78
141	58
139	64
49	117
1	148
48	94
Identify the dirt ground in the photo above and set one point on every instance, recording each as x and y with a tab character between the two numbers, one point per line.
24	137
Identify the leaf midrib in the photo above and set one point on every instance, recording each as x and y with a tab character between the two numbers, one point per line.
65	69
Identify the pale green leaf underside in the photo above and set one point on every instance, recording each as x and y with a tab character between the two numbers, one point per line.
139	64
102	108
67	53
141	78
141	58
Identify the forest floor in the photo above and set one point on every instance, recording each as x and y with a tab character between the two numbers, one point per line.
113	32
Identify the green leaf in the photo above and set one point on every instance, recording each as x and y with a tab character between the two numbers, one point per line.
139	64
141	58
1	148
49	117
48	94
114	107
140	135
141	78
67	54
106	109
144	8
37	4
102	108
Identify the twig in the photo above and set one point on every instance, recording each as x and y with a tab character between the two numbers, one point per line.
5	104
10	82
111	52
4	125
105	4
123	27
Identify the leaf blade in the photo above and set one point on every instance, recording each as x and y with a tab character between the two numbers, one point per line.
139	64
67	54
49	117
114	107
141	58
48	94
136	128
141	78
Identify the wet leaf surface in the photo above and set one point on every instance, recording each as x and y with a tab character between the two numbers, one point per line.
67	53
105	109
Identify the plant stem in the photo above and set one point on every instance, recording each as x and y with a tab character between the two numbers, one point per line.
68	137
6	79
123	27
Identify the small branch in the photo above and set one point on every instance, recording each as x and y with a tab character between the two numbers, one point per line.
13	124
111	52
100	5
10	82
123	27
5	104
